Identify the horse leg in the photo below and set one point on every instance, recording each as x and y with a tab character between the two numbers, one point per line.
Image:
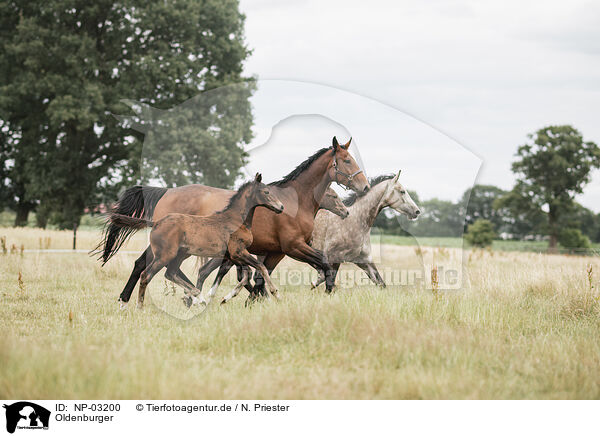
334	271
320	279
185	279
243	279
189	285
241	270
365	268
192	297
334	266
375	272
139	266
206	269
177	276
226	265
315	258
189	293
259	283
150	271
244	257
270	262
372	272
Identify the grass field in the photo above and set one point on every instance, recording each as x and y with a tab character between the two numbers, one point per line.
449	242
526	327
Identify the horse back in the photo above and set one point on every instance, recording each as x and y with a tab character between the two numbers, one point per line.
192	200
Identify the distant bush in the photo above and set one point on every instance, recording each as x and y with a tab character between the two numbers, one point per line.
573	238
480	233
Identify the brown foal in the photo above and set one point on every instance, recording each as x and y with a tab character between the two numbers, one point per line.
226	235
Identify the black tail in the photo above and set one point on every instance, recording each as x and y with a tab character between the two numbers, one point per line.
136	202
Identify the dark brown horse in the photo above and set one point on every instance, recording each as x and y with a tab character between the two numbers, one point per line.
224	234
275	236
330	202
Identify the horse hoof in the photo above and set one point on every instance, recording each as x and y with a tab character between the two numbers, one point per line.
199	302
187	300
122	305
223	301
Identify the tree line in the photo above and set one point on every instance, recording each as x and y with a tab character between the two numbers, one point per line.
550	170
66	68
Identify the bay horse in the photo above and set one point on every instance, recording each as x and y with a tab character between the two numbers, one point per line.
224	234
331	202
274	236
350	240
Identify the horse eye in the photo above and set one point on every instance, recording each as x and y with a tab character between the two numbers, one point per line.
402	192
267	192
347	161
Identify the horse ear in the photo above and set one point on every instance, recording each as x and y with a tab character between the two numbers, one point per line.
334	143
397	176
346	145
258	178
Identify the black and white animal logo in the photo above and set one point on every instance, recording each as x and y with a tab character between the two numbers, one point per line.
26	415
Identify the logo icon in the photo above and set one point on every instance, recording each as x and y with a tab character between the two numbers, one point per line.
26	415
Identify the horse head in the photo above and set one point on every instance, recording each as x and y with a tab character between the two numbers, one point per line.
398	198
263	195
333	203
344	170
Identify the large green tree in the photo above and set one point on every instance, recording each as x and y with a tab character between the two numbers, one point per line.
522	220
551	168
190	144
67	65
581	218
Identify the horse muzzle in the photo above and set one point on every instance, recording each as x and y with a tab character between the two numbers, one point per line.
359	184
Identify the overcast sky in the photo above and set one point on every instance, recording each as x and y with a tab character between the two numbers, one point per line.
468	81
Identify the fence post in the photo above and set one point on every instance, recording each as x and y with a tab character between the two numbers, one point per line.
74	236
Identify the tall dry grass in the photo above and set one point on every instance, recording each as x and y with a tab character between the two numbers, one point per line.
41	239
527	327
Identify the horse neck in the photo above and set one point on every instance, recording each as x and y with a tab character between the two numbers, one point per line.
367	207
312	183
242	209
250	216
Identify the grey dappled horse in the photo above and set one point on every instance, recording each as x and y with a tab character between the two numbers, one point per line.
350	240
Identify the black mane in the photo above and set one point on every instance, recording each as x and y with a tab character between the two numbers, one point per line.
351	199
301	168
236	196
